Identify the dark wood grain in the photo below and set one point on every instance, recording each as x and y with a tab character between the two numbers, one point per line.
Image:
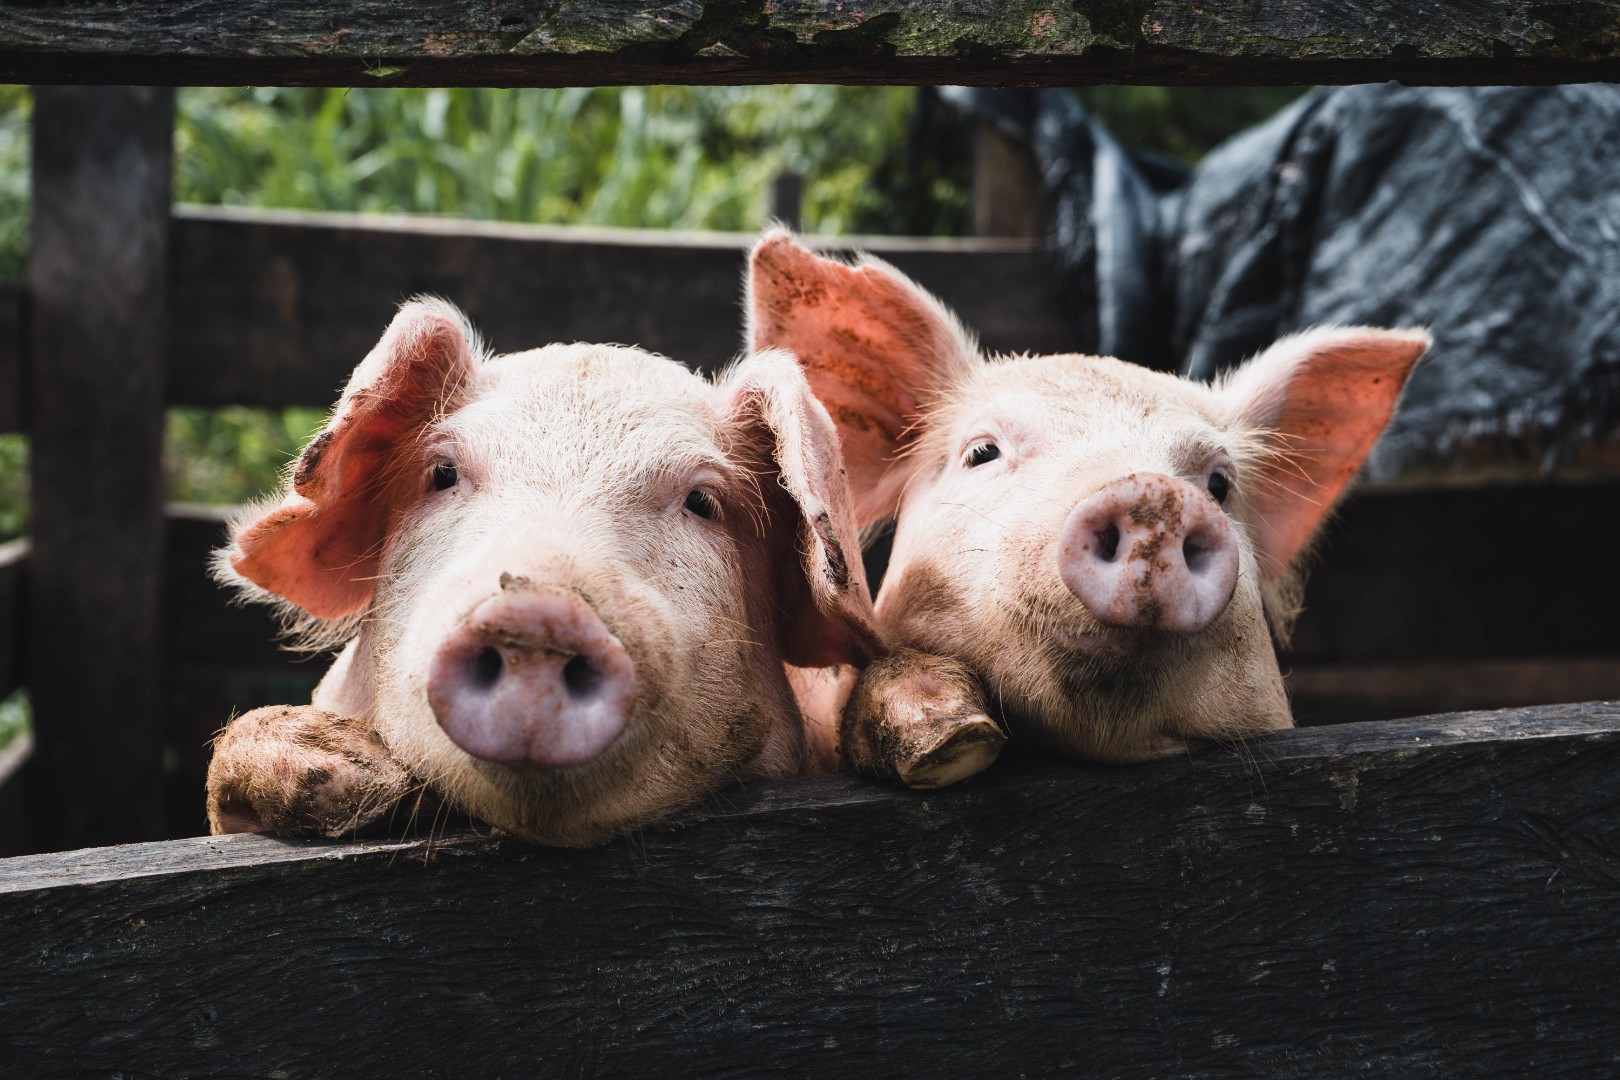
13	341
599	42
13	576
222	660
276	309
1447	574
98	271
1435	896
1007	199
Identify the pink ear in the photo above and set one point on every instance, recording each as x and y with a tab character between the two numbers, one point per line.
826	608
320	546
874	345
1320	399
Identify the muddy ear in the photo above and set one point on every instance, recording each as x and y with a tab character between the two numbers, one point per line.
1319	400
319	545
875	346
825	607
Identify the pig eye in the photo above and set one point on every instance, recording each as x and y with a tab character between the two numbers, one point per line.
702	504
981	453
1219	487
444	476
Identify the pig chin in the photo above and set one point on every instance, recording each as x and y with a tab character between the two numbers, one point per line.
663	759
1120	695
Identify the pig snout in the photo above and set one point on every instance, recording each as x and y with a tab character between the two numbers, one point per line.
532	675
1150	552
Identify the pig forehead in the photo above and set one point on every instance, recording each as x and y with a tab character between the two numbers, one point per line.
613	400
1077	392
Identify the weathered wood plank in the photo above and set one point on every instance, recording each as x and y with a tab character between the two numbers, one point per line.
98	274
276	308
13	333
1443	574
599	42
1433	896
1342	693
13	578
1007	199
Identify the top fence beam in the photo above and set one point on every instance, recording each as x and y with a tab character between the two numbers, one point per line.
604	42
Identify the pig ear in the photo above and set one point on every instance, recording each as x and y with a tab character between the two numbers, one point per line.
1319	400
875	346
320	545
825	608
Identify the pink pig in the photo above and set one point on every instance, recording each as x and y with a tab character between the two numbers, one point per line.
1101	547
565	582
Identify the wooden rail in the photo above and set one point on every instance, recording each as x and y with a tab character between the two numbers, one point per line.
1427	895
595	42
276	308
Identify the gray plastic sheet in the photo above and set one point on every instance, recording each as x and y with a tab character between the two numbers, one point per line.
1489	215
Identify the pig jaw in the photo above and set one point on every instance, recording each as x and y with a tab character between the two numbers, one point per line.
1066	683
684	733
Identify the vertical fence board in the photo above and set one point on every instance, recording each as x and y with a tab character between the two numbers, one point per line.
13	304
99	267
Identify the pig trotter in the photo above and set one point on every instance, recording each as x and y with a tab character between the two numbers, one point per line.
298	770
919	719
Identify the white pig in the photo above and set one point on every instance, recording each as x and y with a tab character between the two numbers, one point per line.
1100	545
567	579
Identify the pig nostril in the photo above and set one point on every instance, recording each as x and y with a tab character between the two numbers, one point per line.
1195	555
1108	542
580	677
487	667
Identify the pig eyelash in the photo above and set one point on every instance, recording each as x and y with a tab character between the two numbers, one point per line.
700	503
981	452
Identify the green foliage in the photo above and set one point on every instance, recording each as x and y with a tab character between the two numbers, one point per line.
14	717
650	157
16	106
13	485
224	456
1183	122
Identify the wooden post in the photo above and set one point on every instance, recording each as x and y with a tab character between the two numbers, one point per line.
99	267
1006	187
787	199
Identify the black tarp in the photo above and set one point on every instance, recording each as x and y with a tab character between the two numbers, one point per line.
1490	215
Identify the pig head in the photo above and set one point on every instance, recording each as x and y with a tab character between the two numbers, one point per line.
565	581
1103	545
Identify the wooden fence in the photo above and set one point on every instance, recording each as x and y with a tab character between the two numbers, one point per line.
274	309
1430	895
1416	897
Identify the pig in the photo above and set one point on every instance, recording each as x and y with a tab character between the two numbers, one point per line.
1106	550
567	585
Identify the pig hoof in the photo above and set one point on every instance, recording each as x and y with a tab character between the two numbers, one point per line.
301	771
970	748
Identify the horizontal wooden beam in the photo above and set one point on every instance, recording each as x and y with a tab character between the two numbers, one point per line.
601	42
1430	895
1441	574
275	308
